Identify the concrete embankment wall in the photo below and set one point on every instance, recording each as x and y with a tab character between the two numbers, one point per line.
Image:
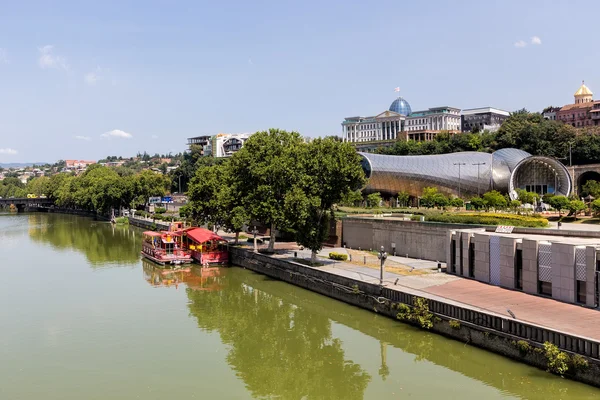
423	240
147	225
488	331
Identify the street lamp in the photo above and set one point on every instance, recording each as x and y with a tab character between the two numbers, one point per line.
254	232
382	256
478	164
459	164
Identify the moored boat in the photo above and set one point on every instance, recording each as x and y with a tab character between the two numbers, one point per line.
164	248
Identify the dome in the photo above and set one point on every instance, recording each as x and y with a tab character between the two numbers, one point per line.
401	106
583	91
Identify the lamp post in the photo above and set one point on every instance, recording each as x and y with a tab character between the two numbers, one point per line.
254	232
382	256
459	164
478	164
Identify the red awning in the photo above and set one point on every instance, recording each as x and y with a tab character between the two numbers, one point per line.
202	235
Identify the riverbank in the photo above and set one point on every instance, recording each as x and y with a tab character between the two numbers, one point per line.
518	340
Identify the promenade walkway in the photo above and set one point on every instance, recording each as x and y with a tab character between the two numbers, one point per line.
568	318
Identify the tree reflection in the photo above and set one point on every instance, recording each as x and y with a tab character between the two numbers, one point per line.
100	242
277	348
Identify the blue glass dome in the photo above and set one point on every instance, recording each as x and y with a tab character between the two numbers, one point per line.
401	106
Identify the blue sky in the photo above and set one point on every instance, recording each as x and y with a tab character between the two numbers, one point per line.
88	79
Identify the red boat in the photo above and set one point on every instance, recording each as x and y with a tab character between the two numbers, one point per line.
165	248
206	247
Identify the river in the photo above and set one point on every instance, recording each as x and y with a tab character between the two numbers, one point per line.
83	317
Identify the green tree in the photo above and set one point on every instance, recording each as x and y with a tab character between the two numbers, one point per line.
205	196
591	187
330	169
457	202
526	197
265	171
428	197
403	198
477	203
514	205
351	198
374	199
494	199
559	203
575	206
38	186
596	207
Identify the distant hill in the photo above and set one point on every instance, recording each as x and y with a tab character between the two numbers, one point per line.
19	165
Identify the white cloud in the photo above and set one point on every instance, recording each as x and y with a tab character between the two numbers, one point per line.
536	40
79	137
3	56
50	60
520	43
9	151
91	78
117	133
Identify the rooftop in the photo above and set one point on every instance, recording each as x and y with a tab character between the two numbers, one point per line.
483	110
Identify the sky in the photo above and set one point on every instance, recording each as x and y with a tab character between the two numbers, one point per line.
83	80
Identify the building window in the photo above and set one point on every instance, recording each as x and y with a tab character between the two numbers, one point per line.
471	260
519	269
581	291
545	288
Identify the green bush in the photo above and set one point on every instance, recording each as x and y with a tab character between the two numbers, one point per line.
489	219
454	324
122	220
523	346
579	363
558	361
160	210
338	256
418	314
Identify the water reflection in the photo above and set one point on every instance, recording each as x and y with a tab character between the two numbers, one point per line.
100	242
194	277
277	349
282	345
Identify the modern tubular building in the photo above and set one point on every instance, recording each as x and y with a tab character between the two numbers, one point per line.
465	173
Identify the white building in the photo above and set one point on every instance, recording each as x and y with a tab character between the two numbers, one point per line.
484	118
225	144
400	121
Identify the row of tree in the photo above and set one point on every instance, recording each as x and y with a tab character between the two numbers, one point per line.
279	180
522	130
99	188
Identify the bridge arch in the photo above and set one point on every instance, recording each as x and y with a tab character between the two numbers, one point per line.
584	177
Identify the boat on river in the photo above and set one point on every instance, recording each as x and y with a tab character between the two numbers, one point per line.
164	248
207	247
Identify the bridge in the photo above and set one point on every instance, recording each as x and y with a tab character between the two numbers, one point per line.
580	174
25	203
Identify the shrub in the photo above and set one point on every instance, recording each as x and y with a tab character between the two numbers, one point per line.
122	220
418	314
523	346
579	362
454	324
338	256
489	219
153	227
160	210
557	360
355	289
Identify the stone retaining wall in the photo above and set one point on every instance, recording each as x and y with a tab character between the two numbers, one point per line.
488	331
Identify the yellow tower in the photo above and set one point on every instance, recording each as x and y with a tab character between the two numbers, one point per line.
583	94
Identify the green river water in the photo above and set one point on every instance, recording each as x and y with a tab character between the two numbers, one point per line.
83	317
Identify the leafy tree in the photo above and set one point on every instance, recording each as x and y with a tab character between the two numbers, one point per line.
591	187
575	206
477	203
457	202
429	197
596	207
351	198
330	169
559	203
514	204
265	171
403	198
374	199
494	199
204	195
38	186
526	197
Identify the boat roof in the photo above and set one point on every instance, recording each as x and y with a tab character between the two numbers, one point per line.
202	235
152	233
